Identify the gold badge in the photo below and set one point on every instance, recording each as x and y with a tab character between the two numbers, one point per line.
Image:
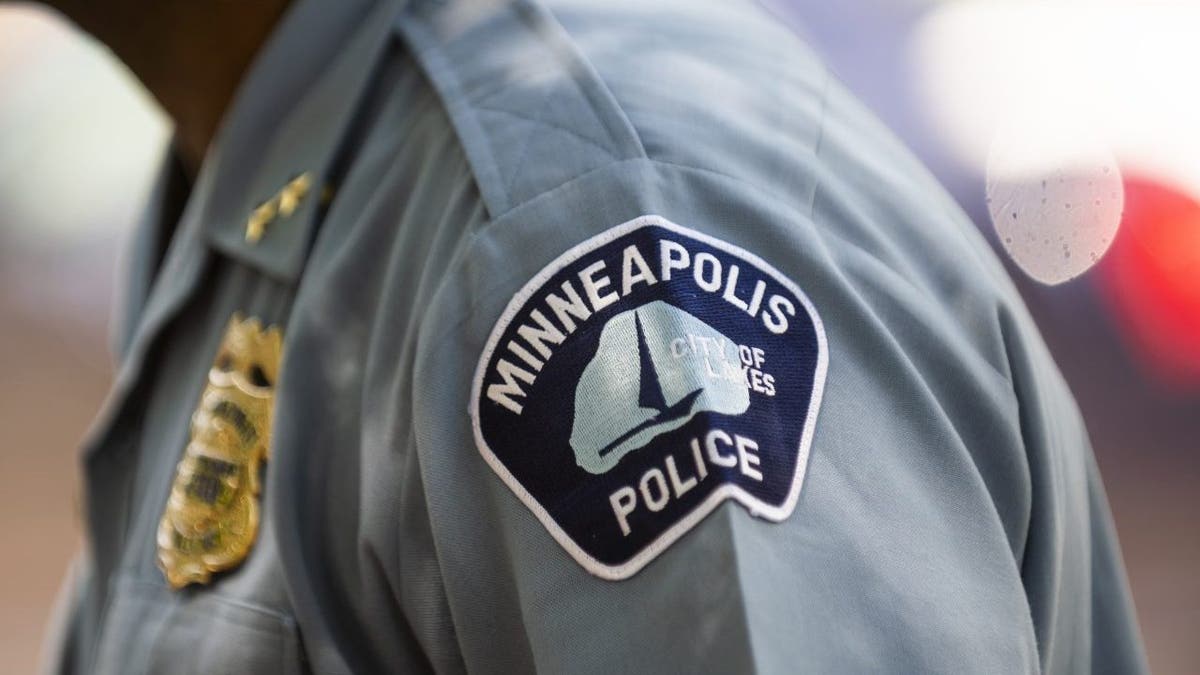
211	517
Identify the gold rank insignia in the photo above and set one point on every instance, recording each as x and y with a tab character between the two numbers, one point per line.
212	513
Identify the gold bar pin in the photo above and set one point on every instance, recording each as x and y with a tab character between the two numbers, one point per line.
283	204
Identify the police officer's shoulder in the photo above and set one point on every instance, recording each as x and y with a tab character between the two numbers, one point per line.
713	112
721	87
688	220
727	89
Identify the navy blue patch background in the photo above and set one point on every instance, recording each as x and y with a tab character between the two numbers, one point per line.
535	445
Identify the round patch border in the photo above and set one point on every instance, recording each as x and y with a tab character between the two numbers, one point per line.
757	507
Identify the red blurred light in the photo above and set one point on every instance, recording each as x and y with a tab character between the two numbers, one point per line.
1152	277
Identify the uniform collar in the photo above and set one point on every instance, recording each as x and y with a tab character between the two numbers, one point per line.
288	118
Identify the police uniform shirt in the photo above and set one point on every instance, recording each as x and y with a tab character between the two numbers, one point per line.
616	337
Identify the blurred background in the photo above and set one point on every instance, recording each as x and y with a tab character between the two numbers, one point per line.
998	98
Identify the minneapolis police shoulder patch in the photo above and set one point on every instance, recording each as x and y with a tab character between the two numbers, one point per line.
642	378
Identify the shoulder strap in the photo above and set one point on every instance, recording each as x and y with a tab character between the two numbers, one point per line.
517	91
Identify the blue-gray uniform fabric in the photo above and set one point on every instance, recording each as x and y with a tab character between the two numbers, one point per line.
951	519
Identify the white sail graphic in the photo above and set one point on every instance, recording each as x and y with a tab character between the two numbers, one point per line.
637	387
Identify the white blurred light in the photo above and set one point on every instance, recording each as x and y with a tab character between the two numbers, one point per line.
79	137
1124	70
1055	199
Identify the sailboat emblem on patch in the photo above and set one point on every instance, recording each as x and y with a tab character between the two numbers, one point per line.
641	379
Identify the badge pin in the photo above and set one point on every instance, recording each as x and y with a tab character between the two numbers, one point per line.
212	514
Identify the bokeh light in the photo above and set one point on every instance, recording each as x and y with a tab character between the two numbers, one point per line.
1055	199
1152	279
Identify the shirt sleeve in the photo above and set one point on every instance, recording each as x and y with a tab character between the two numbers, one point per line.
946	516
